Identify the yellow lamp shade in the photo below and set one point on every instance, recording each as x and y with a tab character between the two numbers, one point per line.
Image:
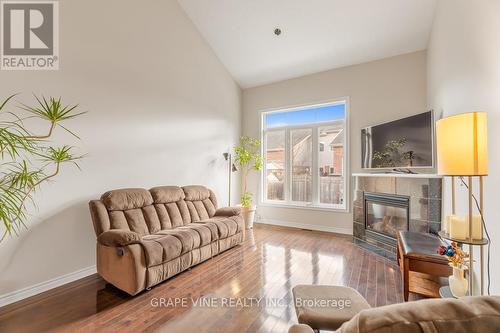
462	145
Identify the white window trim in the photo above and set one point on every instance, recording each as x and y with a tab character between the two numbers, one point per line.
287	203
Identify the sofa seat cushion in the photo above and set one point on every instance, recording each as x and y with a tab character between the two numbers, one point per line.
226	226
161	248
208	232
189	238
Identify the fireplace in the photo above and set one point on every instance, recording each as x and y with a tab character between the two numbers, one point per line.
385	215
385	203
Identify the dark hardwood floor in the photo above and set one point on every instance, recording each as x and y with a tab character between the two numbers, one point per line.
268	264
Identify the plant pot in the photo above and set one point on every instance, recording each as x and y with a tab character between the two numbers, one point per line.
248	215
458	284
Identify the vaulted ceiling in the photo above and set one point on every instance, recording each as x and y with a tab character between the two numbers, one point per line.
317	35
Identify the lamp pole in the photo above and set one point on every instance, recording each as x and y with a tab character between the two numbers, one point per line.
471	247
228	158
481	207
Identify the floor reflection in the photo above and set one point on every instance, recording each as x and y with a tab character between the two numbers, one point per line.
266	266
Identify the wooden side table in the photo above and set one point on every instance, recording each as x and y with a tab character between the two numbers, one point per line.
421	266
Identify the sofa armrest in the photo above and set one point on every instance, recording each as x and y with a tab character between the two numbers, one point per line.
118	237
300	328
228	211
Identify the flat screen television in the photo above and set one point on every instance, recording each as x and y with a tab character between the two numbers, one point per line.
403	143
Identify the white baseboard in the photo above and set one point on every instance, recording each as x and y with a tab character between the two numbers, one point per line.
46	285
337	230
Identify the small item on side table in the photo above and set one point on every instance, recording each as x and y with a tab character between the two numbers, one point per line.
458	227
477	226
458	284
447	222
458	260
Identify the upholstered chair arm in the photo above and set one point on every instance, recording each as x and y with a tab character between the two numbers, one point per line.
300	328
118	237
228	211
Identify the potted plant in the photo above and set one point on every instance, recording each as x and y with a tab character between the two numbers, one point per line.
248	157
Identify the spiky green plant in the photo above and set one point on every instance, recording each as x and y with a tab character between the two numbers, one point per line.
248	157
26	158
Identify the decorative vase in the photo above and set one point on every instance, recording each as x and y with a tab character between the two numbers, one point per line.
458	284
248	215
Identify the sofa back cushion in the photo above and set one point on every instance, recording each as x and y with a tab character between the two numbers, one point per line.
147	212
170	206
127	198
131	209
200	201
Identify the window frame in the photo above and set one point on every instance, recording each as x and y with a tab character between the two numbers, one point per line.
287	202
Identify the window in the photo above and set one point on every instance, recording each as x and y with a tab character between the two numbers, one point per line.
304	156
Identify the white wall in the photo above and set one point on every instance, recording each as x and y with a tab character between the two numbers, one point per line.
379	91
162	109
463	76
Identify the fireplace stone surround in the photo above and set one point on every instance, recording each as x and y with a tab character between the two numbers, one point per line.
424	197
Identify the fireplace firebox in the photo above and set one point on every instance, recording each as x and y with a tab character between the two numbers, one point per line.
385	215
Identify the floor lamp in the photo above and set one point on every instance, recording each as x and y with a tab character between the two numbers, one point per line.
231	168
462	152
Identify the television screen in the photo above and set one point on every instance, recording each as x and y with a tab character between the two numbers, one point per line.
402	143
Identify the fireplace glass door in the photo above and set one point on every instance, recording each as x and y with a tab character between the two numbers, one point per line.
386	214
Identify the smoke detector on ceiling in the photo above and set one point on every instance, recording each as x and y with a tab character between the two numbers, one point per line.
277	31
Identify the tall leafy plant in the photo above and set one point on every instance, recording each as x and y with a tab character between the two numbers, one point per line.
28	160
248	157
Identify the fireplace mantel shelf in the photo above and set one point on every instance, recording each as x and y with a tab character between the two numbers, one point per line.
398	175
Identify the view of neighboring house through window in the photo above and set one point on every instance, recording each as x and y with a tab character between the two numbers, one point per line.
301	148
304	156
275	164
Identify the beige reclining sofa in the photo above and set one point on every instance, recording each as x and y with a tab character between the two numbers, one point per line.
145	237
